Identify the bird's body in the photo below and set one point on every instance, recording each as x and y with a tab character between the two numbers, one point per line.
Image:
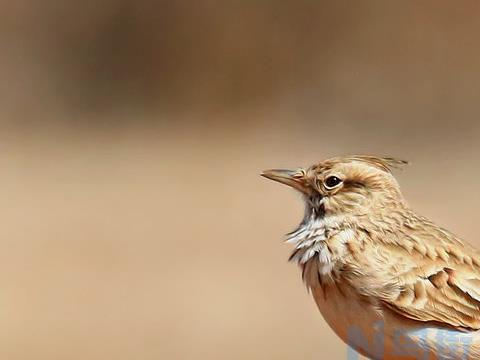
389	282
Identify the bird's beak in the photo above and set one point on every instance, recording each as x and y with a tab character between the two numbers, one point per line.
293	178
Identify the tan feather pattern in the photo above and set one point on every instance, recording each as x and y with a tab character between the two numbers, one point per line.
433	275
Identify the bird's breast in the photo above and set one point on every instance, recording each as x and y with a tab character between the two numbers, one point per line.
378	333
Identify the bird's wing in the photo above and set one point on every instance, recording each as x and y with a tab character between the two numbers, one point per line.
425	275
446	295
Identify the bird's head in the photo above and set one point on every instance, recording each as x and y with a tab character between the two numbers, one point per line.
351	185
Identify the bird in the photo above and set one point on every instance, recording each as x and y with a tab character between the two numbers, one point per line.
388	281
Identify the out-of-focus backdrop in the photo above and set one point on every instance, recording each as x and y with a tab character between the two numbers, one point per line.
134	222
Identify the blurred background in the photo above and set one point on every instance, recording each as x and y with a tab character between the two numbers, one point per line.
132	133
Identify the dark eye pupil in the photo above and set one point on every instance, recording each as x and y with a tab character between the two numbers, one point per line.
332	181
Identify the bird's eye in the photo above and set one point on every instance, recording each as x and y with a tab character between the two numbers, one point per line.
332	182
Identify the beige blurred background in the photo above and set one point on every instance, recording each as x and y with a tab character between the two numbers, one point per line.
132	133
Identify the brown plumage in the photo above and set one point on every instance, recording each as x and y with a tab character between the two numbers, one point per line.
367	257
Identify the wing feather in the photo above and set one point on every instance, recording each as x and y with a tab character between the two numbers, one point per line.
423	273
447	296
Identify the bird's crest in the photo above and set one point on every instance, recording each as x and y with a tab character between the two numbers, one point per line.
383	163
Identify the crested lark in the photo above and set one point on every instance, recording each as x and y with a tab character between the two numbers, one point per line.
389	282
